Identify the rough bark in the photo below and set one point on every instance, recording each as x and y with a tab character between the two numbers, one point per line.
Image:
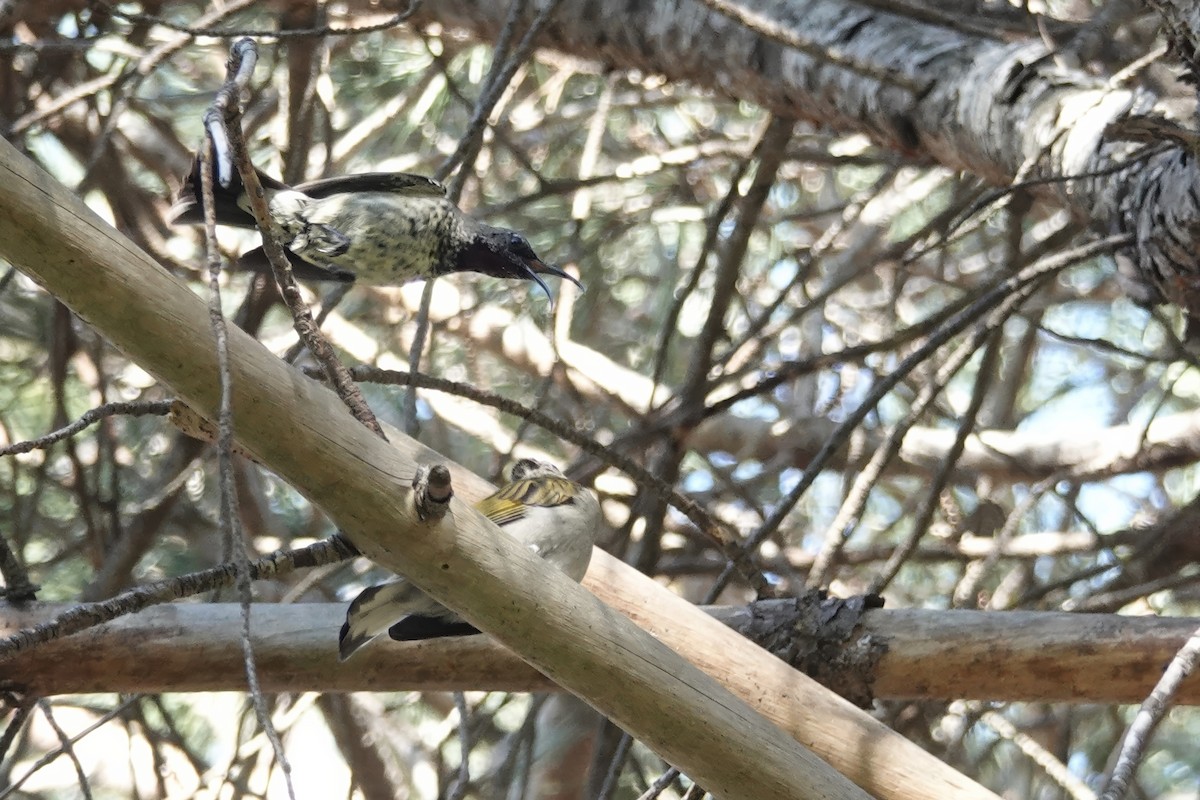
1006	656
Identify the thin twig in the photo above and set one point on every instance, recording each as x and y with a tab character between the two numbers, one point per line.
1152	712
88	615
15	785
144	66
951	328
1055	769
615	766
16	723
67	747
242	59
660	784
843	523
498	78
18	588
462	781
966	426
89	417
226	114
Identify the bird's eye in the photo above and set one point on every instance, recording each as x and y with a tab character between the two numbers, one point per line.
519	245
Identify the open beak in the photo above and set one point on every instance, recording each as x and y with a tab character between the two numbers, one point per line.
535	268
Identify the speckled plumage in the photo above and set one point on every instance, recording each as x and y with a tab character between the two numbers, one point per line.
539	507
381	228
399	237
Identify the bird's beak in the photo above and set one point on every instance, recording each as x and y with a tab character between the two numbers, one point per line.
535	268
491	251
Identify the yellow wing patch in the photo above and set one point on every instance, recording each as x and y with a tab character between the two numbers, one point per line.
508	503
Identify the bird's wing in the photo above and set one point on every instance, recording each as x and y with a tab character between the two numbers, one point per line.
256	260
377	608
390	182
189	210
417	627
508	504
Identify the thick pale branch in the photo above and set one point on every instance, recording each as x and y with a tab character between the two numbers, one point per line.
1169	442
931	655
303	433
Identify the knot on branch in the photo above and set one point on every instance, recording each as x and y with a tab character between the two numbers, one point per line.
432	490
816	634
20	592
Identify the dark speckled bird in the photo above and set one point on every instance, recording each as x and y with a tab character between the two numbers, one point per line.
382	228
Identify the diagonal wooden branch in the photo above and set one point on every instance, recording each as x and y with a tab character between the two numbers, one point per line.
303	433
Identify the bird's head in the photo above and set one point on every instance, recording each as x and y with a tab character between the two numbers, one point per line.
532	468
502	253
